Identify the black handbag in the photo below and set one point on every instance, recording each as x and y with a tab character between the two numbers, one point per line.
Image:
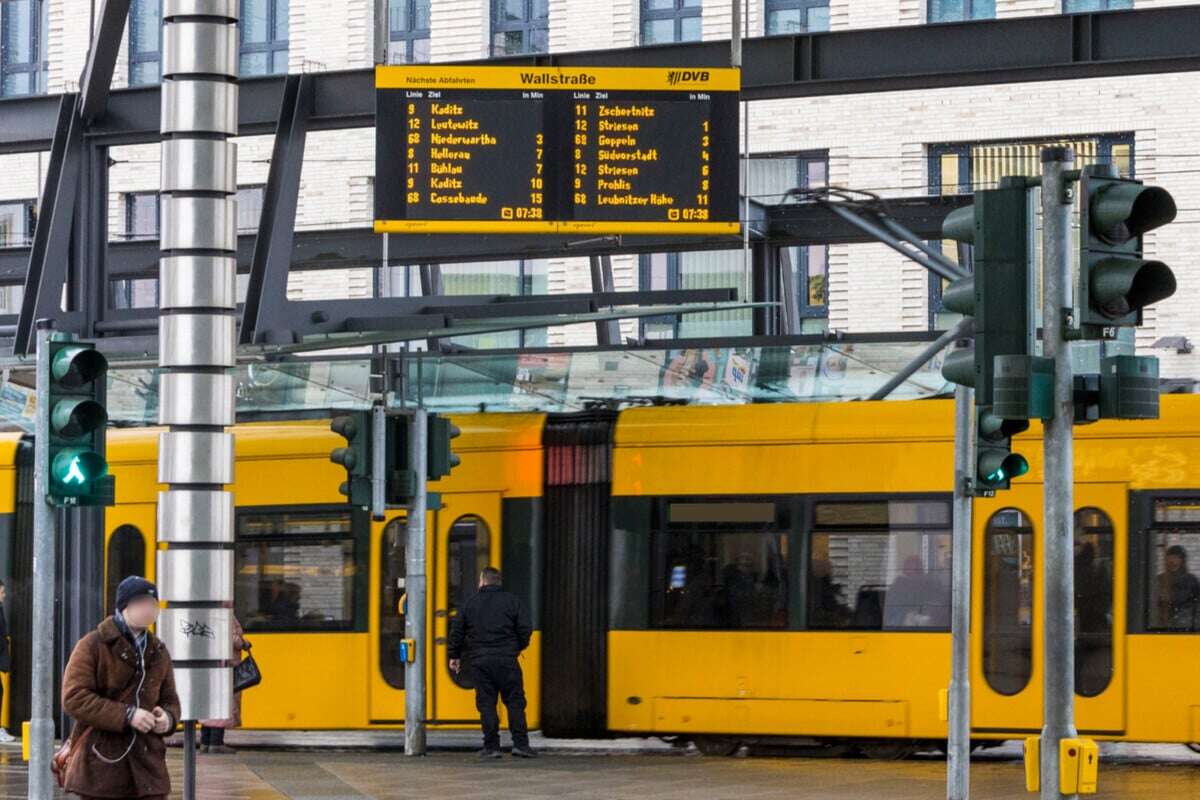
246	673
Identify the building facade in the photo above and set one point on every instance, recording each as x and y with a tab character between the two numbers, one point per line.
893	143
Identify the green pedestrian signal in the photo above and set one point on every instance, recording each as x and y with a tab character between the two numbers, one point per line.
355	456
1116	281
78	469
995	462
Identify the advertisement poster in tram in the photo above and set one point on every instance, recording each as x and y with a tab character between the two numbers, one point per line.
709	375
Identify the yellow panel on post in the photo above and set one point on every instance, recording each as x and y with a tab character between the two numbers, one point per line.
1033	756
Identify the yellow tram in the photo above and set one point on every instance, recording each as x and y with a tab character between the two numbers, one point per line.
721	574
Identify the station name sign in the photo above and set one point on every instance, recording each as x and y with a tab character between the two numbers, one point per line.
606	150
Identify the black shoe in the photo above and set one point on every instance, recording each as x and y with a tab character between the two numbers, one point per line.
524	752
487	753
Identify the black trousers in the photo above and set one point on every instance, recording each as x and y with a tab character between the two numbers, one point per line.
212	736
500	677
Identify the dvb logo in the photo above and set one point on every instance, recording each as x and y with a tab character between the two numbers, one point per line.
677	76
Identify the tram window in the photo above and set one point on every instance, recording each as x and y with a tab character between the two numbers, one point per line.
295	570
126	556
1174	587
1008	601
469	551
1093	601
882	565
391	590
720	580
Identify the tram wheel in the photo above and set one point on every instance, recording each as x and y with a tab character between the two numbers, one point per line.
716	745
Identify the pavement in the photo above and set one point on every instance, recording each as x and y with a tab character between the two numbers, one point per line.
632	769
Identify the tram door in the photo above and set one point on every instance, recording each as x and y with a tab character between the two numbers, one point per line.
387	620
1007	609
467	540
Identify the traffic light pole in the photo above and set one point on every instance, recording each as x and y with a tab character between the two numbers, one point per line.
414	588
41	724
958	750
1058	568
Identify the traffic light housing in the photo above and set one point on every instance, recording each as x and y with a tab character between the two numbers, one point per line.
355	455
1116	281
998	296
77	472
400	481
441	457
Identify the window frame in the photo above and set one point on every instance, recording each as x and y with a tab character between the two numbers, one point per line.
270	46
811	529
1140	563
527	26
359	536
130	200
677	14
968	14
147	57
30	208
1126	5
37	68
789	5
1105	142
408	37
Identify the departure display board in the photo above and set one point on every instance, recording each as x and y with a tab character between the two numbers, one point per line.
609	150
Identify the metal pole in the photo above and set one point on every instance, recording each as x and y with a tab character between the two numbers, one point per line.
958	750
378	456
962	329
41	724
735	61
197	354
382	33
1058	567
414	586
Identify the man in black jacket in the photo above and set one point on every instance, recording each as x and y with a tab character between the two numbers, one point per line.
493	628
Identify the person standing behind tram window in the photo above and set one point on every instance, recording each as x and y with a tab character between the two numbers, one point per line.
1178	593
119	687
492	628
5	660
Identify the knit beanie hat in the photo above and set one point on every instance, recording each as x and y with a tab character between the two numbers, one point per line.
133	587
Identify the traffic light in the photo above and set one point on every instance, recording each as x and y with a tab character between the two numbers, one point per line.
77	470
1116	282
400	482
441	459
355	456
998	296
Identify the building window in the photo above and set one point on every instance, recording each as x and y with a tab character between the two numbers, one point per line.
145	42
797	16
666	21
882	565
264	27
249	208
408	32
959	10
965	168
520	26
297	570
23	38
141	215
17	220
1084	6
771	177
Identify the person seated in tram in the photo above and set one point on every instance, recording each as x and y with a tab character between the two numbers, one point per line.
1177	593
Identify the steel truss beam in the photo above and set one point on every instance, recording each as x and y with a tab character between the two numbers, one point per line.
1042	48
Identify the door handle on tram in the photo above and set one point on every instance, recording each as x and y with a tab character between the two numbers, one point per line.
440	641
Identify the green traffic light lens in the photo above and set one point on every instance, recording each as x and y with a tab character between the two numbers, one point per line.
77	365
996	468
76	467
72	419
1123	210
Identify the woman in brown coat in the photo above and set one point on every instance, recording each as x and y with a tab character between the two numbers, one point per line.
119	687
212	731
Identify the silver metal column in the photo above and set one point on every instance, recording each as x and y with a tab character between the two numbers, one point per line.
958	751
41	724
198	297
414	587
1058	566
